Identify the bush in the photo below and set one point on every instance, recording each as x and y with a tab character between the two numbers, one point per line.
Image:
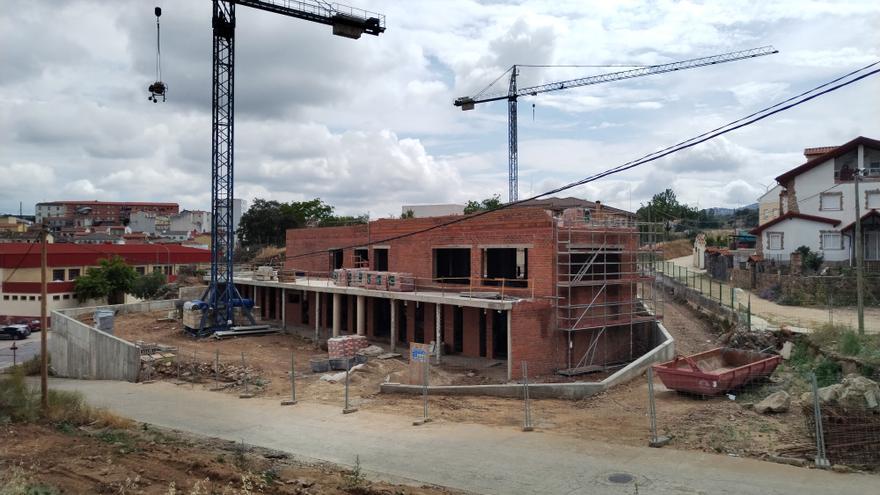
810	259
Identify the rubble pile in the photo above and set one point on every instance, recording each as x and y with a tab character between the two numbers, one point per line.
231	375
850	413
755	340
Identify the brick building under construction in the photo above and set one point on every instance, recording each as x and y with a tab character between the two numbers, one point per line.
569	290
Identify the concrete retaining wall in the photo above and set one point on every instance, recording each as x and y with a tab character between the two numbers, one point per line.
663	350
80	351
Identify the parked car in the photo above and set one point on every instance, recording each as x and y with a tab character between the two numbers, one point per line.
33	325
15	332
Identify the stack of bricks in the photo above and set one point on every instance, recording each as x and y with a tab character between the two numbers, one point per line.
357	277
287	275
370	280
400	282
346	346
340	277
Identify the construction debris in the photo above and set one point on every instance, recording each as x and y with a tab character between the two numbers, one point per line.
776	402
755	340
850	420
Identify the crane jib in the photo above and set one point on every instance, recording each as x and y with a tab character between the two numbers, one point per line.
627	74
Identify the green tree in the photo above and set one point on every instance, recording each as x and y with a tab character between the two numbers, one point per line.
665	206
112	279
147	286
484	205
408	214
267	222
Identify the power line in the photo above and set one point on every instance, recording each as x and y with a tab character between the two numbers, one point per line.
750	119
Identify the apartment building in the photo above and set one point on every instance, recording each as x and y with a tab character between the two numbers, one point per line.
60	214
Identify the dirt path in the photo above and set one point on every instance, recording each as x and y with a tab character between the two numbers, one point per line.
799	316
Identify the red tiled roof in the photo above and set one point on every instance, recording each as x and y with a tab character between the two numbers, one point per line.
812	218
835	152
871	213
110	203
28	255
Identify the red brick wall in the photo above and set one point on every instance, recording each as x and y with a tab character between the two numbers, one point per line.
534	339
414	254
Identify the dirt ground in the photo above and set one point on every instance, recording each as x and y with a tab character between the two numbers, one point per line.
39	459
616	416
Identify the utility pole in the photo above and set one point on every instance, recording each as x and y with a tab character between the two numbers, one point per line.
860	254
44	327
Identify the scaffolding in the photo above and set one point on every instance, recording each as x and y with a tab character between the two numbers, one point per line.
606	286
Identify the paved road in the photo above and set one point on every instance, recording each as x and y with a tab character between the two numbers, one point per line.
468	457
27	349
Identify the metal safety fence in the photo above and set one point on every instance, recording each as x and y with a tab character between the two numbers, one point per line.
800	411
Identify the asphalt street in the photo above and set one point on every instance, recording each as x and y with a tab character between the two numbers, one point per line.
476	458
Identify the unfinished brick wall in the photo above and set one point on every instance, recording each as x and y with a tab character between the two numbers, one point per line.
520	226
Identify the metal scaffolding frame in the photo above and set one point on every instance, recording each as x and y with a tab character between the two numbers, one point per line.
605	281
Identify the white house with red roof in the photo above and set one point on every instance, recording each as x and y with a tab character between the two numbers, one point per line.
817	204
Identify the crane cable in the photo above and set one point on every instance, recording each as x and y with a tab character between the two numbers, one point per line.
158	12
794	101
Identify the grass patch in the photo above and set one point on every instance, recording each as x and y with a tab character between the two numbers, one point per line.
31	367
66	410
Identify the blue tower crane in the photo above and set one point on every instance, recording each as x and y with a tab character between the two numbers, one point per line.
221	297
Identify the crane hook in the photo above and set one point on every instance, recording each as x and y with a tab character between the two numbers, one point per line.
158	88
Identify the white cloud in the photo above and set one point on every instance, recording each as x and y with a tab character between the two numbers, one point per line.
369	124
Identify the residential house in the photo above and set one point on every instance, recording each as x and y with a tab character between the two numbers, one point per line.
817	205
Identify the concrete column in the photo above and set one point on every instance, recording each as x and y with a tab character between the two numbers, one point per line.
317	316
337	313
393	324
509	345
361	315
283	308
437	310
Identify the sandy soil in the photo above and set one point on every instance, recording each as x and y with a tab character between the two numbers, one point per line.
617	416
147	460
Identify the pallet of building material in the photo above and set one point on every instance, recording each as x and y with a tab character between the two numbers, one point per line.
287	275
380	280
369	280
340	277
357	277
401	282
265	273
346	346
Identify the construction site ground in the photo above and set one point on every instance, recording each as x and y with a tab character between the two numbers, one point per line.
615	416
38	459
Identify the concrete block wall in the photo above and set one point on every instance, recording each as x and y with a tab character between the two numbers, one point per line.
80	351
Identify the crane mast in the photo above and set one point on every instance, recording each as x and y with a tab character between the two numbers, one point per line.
221	296
512	94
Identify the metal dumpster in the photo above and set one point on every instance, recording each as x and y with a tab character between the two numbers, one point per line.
717	371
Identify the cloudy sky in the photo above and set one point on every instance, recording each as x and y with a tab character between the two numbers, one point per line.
369	125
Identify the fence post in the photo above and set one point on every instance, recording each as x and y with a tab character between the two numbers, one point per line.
192	376
749	309
425	418
731	298
347	409
821	458
217	369
656	441
292	400
527	418
246	394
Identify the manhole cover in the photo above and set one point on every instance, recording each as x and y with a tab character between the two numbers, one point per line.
620	478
